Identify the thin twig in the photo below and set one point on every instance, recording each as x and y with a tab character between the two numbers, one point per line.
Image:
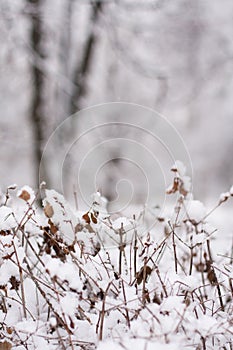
21	282
102	315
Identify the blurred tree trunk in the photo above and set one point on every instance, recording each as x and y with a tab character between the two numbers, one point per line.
38	97
62	94
70	102
84	62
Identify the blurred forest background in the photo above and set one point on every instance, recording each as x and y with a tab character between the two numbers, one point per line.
59	56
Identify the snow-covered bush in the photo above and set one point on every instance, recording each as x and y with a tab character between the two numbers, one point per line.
74	280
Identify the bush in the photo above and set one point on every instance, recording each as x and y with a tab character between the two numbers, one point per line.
84	281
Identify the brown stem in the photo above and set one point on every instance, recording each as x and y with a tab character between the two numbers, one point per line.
125	302
102	315
160	279
21	282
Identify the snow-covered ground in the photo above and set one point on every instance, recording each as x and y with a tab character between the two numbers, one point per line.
84	280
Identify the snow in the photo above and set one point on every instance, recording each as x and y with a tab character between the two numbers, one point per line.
231	191
224	196
99	202
196	210
187	183
69	304
63	216
53	321
171	303
109	344
74	289
205	324
190	282
179	167
8	269
122	222
7	220
27	194
65	272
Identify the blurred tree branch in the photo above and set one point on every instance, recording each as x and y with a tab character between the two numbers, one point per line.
83	65
37	100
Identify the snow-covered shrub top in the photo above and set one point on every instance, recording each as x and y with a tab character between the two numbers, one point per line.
74	280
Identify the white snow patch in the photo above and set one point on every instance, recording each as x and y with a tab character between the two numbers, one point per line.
196	210
231	191
63	216
179	167
7	220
